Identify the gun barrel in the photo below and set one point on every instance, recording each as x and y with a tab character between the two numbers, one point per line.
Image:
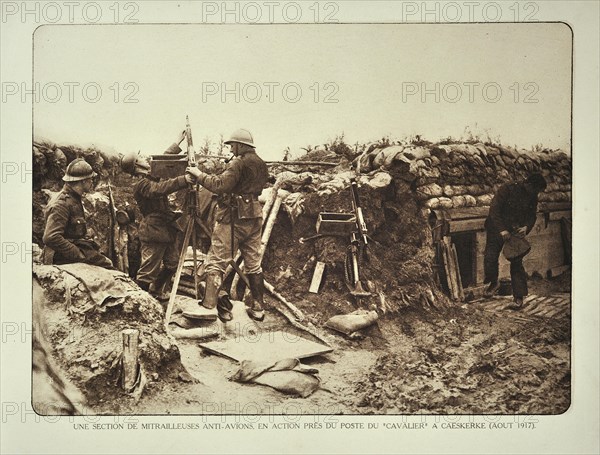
360	220
190	143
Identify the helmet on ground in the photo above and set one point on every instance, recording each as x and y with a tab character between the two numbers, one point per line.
131	161
78	169
241	136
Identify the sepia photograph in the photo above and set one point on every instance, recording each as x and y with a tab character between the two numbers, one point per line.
299	227
328	219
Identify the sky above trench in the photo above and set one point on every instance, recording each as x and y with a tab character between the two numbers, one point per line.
129	87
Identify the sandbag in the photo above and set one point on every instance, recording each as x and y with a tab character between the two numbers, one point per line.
351	322
287	375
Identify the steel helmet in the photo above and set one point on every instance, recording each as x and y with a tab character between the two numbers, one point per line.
78	169
242	136
131	160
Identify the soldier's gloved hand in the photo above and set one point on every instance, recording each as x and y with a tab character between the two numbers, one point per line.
189	179
521	232
193	171
505	235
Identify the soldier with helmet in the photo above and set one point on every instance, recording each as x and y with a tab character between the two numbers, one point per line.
238	222
158	230
65	233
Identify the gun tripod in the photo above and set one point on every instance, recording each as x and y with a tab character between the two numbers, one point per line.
192	224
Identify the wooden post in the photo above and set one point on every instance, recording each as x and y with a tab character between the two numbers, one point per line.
268	228
315	284
461	292
130	359
298	314
281	195
447	268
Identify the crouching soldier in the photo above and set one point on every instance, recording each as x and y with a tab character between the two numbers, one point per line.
238	222
65	232
158	232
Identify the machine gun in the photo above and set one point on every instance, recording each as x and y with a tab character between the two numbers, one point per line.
192	222
191	155
357	250
342	224
168	166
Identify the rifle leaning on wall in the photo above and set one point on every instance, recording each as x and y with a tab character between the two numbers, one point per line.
117	245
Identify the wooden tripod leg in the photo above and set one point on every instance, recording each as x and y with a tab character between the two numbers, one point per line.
194	268
186	241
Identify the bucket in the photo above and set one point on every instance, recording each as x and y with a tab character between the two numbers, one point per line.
505	287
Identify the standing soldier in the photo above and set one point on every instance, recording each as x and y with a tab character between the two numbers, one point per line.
512	213
65	233
158	231
238	222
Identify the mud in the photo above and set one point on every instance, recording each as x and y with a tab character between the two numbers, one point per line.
424	355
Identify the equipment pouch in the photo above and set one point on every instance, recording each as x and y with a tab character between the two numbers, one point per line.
248	207
77	228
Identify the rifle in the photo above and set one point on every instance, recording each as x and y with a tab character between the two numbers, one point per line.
115	249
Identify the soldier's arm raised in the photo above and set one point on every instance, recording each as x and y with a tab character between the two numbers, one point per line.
174	148
150	189
219	184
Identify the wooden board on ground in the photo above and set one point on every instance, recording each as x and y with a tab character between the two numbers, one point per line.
315	284
201	313
190	309
266	346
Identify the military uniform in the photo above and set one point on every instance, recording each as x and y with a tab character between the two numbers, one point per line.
158	231
512	207
66	230
238	188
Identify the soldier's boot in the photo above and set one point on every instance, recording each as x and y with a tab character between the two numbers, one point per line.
162	279
213	285
516	304
224	307
257	289
144	285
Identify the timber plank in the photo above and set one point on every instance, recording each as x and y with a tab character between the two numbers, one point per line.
270	346
476	224
315	283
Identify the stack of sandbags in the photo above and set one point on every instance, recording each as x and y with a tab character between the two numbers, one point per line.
50	162
446	176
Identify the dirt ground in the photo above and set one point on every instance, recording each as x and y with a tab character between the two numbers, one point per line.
479	358
424	355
